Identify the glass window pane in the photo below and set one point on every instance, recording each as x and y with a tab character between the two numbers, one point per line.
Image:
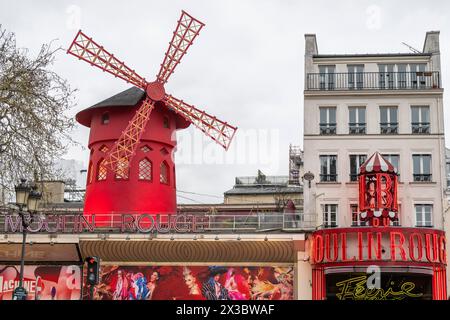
353	165
393	114
362	115
332	115
416	164
333	160
425	112
323	115
415	114
419	214
383	114
426	164
352	115
323	164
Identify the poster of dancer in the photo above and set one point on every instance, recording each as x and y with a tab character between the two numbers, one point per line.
193	283
42	282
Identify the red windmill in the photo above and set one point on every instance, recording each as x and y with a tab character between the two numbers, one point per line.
128	147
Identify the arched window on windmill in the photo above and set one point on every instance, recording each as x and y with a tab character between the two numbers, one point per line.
90	173
102	172
145	170
166	123
105	118
122	170
164	173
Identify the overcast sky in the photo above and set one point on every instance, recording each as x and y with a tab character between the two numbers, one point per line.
246	66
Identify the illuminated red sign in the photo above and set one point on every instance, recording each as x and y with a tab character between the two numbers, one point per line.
378	244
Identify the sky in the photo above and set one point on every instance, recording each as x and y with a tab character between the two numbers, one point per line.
245	67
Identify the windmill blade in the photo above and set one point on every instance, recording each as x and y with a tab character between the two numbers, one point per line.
187	30
119	158
219	131
90	51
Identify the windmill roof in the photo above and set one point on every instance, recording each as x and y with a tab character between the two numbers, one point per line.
127	98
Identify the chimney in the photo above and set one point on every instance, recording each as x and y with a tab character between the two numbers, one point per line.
310	50
431	45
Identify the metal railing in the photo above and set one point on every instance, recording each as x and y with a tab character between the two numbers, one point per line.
420	127
257	180
211	223
328	177
389	127
422	177
327	128
357	128
373	81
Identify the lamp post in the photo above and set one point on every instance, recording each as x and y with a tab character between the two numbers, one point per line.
28	197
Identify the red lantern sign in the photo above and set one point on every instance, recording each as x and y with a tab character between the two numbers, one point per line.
378	182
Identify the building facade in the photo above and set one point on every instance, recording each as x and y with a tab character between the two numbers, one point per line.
359	104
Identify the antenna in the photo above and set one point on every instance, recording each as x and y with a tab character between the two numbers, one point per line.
411	48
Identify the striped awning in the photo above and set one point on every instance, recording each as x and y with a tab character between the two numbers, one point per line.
377	163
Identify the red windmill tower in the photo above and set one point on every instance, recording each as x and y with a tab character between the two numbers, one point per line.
378	182
131	167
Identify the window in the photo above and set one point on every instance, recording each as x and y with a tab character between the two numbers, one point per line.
329	215
122	170
164	173
389	120
166	122
424	215
418	74
386	77
90	173
356	220
402	75
145	149
103	149
357	120
447	166
105	118
356	160
145	170
327	77
422	167
394	159
327	120
420	119
328	166
101	170
355	76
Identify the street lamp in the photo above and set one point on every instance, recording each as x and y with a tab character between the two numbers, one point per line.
28	197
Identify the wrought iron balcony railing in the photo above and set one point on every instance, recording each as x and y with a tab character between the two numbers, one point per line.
373	81
389	127
357	128
328	177
327	128
211	223
420	127
422	177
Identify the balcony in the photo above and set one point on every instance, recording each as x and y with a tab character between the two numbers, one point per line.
422	177
373	81
420	127
389	127
328	178
327	128
210	223
356	128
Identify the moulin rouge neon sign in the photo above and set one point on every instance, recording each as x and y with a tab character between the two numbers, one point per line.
123	223
378	244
